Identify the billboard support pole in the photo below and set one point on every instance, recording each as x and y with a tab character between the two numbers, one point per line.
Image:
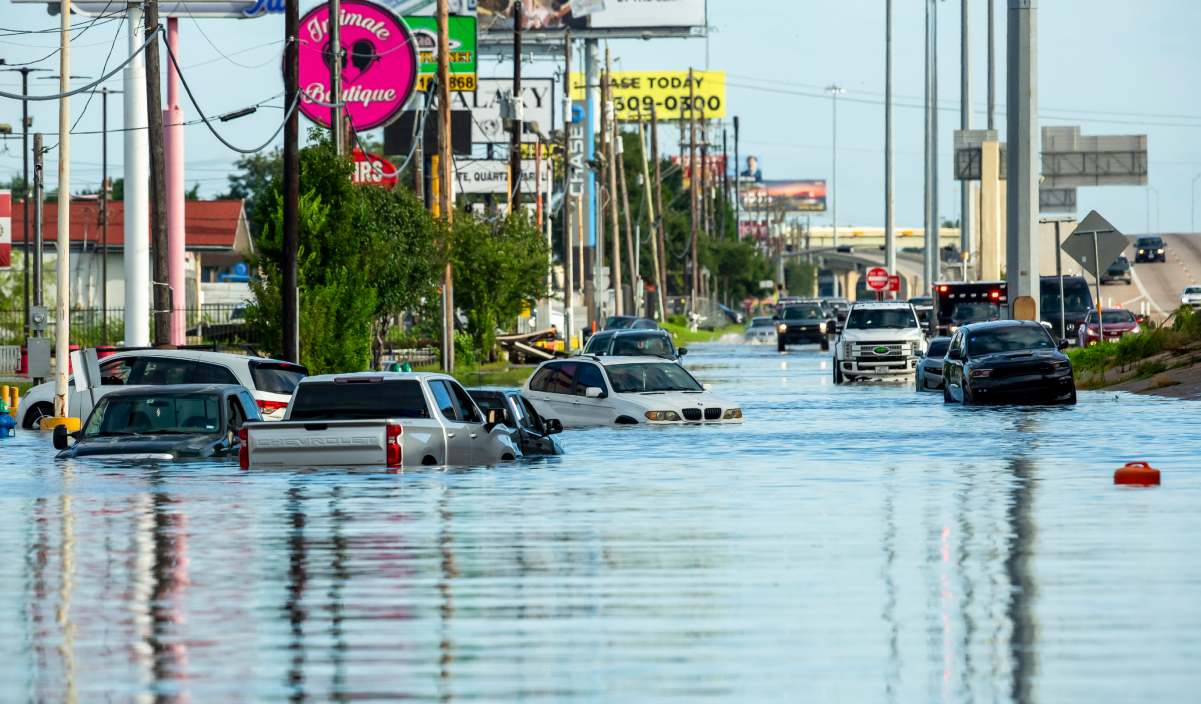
659	233
161	290
568	202
631	250
337	121
290	295
136	257
592	220
693	205
965	123
514	194
890	242
1021	265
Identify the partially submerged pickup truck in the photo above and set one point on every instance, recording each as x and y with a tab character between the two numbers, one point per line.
384	419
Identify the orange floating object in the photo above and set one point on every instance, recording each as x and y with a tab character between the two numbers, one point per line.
1137	474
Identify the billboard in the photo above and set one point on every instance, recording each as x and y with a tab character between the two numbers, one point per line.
6	229
790	196
381	67
537	94
484	176
671	92
463	55
616	18
715	166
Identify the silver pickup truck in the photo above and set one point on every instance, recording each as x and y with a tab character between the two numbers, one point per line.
383	419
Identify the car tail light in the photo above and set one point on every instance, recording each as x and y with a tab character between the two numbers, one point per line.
995	295
392	444
266	406
944	289
244	448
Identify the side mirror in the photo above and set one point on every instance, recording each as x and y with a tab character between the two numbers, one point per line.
594	392
553	426
682	351
1064	344
954	354
60	437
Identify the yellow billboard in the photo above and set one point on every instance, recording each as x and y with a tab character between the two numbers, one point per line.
671	92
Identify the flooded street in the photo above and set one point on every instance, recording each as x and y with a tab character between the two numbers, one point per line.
862	543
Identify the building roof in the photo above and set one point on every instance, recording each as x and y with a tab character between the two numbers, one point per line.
208	225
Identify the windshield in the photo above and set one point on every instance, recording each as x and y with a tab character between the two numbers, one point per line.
1193	289
276	377
618	322
1150	242
881	319
975	312
768	322
642	345
938	347
638	378
1009	339
1111	317
332	400
1076	297
802	312
155	414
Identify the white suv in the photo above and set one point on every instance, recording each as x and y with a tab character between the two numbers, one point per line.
589	391
879	339
270	381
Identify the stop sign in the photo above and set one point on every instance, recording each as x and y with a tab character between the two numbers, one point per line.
877	278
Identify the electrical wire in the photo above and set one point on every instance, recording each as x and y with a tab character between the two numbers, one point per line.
101	18
91	94
207	123
199	28
93	84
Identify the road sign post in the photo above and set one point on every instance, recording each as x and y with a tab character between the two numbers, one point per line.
1095	236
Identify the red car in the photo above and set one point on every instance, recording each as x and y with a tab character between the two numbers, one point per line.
1115	321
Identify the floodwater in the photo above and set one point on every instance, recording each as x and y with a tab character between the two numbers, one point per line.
850	544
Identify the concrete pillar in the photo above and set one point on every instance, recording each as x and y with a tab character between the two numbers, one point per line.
991	200
852	285
137	190
1022	154
173	156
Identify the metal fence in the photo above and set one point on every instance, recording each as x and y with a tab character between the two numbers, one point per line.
95	326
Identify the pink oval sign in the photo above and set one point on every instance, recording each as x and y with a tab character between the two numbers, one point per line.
379	70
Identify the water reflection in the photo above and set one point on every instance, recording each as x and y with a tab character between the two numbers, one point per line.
851	543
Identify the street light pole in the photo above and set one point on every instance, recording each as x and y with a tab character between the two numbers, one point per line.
890	243
834	90
25	191
965	123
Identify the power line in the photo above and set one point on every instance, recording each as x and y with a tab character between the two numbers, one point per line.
93	84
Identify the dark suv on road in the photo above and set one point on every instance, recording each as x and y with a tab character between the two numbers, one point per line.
1118	272
804	322
1150	249
1007	361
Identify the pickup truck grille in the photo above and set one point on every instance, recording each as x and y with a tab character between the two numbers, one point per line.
872	350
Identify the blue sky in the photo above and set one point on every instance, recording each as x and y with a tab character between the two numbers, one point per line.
1113	68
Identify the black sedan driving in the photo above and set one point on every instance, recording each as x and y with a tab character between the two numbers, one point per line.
182	421
1007	361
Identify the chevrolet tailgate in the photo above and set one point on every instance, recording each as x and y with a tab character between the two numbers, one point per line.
333	443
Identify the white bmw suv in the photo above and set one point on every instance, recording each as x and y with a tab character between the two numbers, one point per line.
879	340
588	391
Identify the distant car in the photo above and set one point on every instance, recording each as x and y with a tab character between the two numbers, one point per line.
629	322
840	307
179	421
591	391
732	315
634	343
921	301
762	329
973	312
804	323
532	433
270	381
1150	249
1115	321
1191	296
1007	361
1118	272
929	367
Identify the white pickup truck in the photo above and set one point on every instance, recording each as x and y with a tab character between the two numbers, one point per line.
879	339
383	419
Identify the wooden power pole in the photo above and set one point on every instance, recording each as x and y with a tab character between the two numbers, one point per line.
290	294
162	294
446	182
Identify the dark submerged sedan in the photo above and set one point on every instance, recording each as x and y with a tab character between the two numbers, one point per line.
184	421
929	367
534	434
1007	361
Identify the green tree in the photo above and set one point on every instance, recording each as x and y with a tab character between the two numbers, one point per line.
254	182
499	266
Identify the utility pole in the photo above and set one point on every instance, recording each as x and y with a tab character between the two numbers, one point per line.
173	171
62	245
594	220
337	121
104	187
631	254
25	190
890	237
965	123
610	121
39	197
290	293
930	268
136	256
693	205
1021	261
569	176
162	293
515	123
992	68
446	180
725	182
659	233
834	90
737	183
652	224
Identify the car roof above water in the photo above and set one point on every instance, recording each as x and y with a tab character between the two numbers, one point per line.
174	390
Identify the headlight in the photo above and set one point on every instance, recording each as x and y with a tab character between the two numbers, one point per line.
1093	333
848	349
821	327
782	327
953	329
981	373
1061	365
1142	251
732	413
662	415
1159	251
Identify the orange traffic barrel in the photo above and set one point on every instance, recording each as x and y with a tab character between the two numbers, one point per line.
1137	474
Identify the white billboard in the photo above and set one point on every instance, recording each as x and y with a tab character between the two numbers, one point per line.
538	95
492	176
624	14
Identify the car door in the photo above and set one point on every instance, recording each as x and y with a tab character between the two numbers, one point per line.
533	429
235	417
209	373
482	448
953	367
592	411
457	432
554	393
114	373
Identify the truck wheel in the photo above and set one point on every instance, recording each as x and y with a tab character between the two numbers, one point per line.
838	379
780	346
825	344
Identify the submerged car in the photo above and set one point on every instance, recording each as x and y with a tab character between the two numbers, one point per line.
629	322
762	329
532	433
1007	361
634	343
184	421
590	391
929	367
1112	322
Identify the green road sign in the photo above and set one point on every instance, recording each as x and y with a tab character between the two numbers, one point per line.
463	55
